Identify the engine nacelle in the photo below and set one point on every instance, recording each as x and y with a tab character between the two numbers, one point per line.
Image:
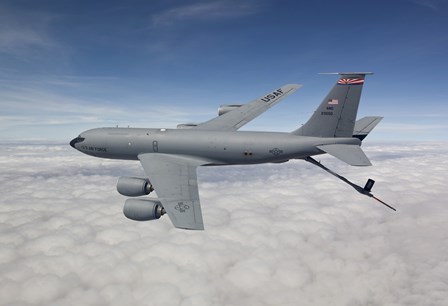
133	186
143	209
227	108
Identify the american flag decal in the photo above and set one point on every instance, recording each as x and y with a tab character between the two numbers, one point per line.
350	81
333	102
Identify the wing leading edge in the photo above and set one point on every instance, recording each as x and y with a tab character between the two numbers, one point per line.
175	182
236	118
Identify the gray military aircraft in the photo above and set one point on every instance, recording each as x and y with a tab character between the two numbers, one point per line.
170	156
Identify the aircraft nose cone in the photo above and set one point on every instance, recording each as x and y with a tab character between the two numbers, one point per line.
75	141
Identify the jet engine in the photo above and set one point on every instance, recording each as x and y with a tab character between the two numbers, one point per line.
143	209
133	186
227	108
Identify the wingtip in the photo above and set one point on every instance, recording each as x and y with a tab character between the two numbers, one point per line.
292	86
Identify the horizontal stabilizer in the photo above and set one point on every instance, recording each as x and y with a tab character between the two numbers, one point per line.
365	125
350	154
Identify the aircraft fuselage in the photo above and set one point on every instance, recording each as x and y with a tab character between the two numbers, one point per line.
219	147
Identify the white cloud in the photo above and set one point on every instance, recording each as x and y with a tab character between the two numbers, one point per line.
205	11
282	234
24	31
52	109
431	4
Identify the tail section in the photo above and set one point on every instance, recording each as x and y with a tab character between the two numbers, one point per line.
336	115
365	125
350	154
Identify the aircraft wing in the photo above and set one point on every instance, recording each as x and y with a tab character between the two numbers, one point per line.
175	182
236	118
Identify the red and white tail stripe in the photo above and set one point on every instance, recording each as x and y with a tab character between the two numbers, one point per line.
350	81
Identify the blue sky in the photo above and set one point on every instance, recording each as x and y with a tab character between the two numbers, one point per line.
67	66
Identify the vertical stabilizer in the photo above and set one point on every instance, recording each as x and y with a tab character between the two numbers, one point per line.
336	115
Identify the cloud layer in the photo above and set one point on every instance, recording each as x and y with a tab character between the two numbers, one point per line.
285	234
205	11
